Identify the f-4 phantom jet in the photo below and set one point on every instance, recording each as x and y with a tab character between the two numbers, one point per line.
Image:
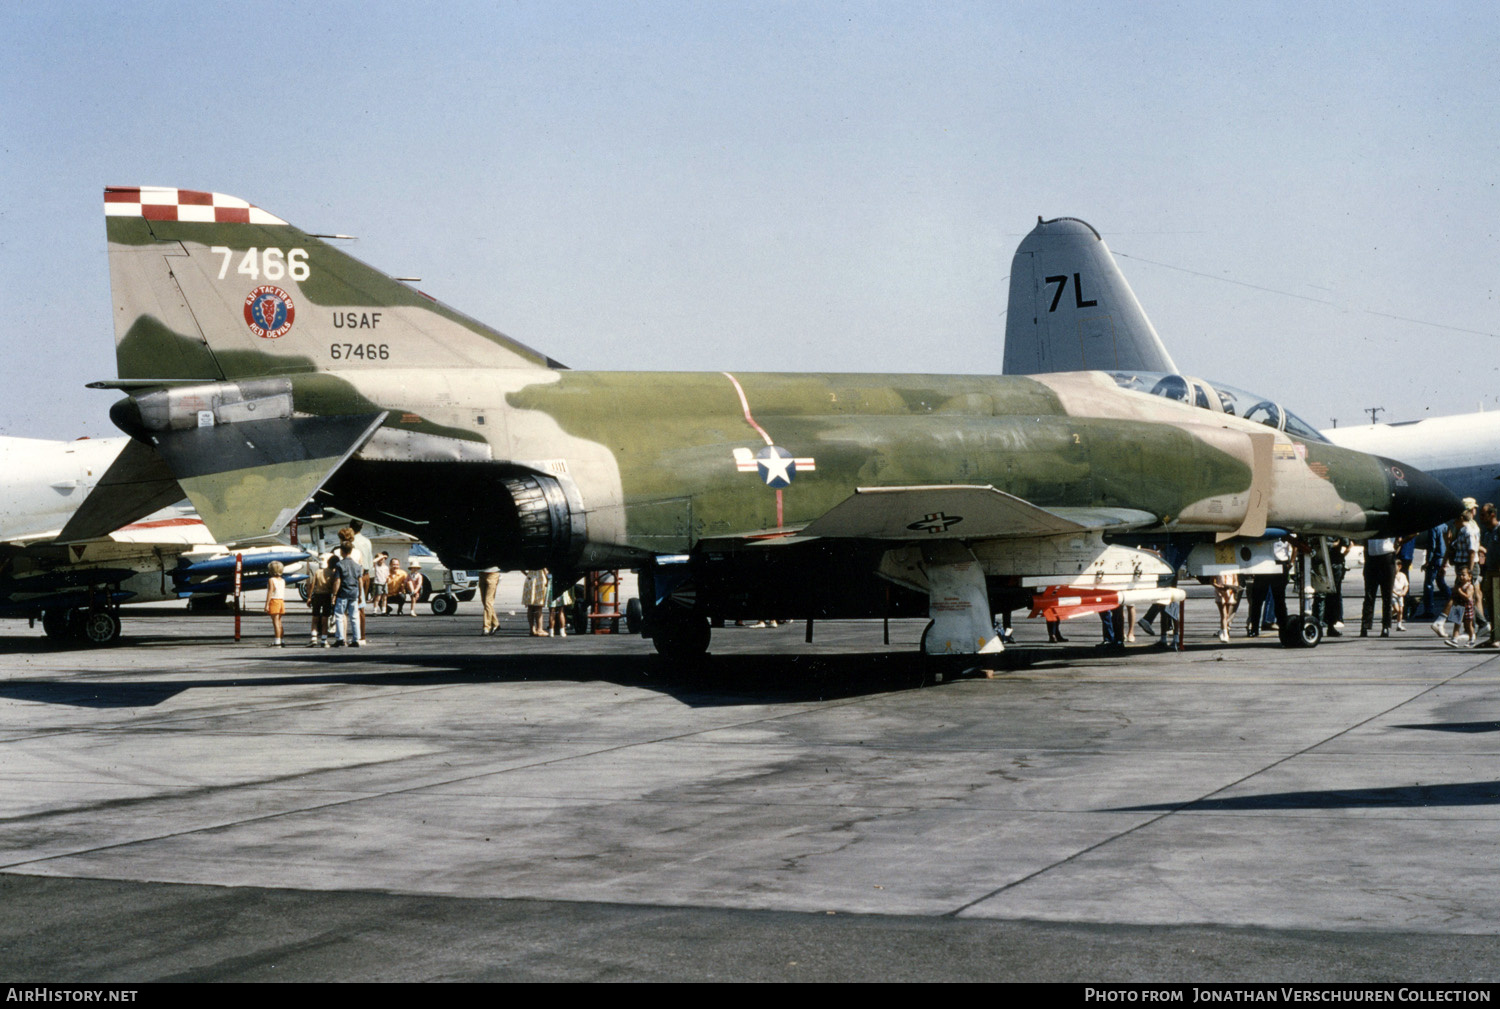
263	364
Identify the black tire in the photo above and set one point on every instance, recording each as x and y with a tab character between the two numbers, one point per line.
443	605
55	624
1290	632
302	589
633	615
100	627
1310	634
682	638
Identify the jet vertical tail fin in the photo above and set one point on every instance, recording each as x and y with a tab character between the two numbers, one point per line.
208	287
1071	309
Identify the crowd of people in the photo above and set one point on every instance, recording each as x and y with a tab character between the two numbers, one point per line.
1463	615
345	587
353	581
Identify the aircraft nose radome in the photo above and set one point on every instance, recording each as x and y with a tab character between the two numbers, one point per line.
1418	501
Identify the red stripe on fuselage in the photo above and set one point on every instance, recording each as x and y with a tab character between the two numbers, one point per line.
164	524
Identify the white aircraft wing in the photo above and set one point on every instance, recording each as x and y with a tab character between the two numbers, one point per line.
136	484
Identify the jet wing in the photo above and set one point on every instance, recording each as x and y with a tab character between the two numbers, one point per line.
960	511
136	484
248	479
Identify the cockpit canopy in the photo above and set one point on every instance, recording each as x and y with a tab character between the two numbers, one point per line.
1218	399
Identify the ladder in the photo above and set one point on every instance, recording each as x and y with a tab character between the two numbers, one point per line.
602	590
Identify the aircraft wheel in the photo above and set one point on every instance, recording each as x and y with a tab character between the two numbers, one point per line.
633	615
682	637
1295	631
1310	634
444	605
98	628
922	644
55	624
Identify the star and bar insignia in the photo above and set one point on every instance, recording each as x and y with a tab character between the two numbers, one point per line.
777	467
935	522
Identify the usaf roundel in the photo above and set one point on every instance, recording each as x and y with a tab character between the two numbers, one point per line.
776	465
269	312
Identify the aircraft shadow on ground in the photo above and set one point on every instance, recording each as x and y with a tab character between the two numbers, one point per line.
720	681
1470	793
90	695
1453	726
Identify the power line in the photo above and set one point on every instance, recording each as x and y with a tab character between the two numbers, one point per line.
1303	297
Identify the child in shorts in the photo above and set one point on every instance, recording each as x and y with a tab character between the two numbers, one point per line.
1463	596
276	598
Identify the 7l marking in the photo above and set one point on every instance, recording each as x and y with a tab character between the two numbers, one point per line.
1062	281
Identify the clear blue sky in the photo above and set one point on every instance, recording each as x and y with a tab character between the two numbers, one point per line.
798	186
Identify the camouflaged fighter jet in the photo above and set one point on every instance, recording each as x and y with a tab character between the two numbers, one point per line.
264	364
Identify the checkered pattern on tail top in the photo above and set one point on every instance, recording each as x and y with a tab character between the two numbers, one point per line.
160	203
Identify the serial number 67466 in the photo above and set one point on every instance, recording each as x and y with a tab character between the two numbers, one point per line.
362	351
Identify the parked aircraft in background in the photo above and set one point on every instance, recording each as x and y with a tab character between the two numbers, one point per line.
1461	451
263	364
1070	303
75	586
1071	310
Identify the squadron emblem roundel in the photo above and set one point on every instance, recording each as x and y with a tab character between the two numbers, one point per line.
269	312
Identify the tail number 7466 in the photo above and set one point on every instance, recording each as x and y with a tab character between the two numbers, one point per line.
270	264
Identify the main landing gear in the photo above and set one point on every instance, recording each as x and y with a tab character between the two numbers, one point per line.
679	634
962	621
91	627
1310	571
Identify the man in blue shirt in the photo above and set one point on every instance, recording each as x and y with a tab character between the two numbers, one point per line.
346	586
1432	569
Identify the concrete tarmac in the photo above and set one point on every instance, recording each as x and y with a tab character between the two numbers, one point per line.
447	806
